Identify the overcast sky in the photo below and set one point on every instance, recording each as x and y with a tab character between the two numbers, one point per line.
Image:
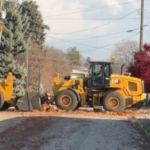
93	26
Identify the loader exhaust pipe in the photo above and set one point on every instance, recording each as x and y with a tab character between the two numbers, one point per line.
122	67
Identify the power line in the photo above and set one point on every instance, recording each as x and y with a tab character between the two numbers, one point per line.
89	46
102	36
127	38
82	30
110	34
118	18
96	27
82	44
88	10
85	45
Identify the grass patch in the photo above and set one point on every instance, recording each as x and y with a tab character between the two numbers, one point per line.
143	125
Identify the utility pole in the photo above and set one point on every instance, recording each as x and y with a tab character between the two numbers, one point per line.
141	26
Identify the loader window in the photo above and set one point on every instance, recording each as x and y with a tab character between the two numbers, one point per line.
97	74
98	70
106	71
132	86
100	75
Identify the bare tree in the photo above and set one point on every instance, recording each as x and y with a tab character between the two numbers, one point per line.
74	56
124	53
44	64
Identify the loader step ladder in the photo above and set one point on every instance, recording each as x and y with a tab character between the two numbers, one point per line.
97	108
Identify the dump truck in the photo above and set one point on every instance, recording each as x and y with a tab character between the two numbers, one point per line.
102	88
6	91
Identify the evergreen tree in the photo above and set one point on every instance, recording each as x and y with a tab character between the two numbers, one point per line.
23	23
74	57
13	43
36	25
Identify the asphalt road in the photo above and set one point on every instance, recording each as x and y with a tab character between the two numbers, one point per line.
77	134
71	133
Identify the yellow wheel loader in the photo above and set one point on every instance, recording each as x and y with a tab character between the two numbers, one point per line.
6	92
100	89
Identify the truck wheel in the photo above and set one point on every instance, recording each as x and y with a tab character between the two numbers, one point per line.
66	100
5	106
114	101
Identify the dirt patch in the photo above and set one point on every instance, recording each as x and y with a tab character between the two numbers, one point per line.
15	137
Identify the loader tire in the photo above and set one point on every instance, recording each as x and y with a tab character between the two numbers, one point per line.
114	101
5	106
1	101
66	100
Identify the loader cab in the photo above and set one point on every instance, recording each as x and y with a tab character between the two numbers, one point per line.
99	75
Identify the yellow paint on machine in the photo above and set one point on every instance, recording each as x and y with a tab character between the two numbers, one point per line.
130	87
6	88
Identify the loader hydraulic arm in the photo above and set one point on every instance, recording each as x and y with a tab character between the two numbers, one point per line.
6	88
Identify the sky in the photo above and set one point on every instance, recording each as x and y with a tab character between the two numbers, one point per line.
93	26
